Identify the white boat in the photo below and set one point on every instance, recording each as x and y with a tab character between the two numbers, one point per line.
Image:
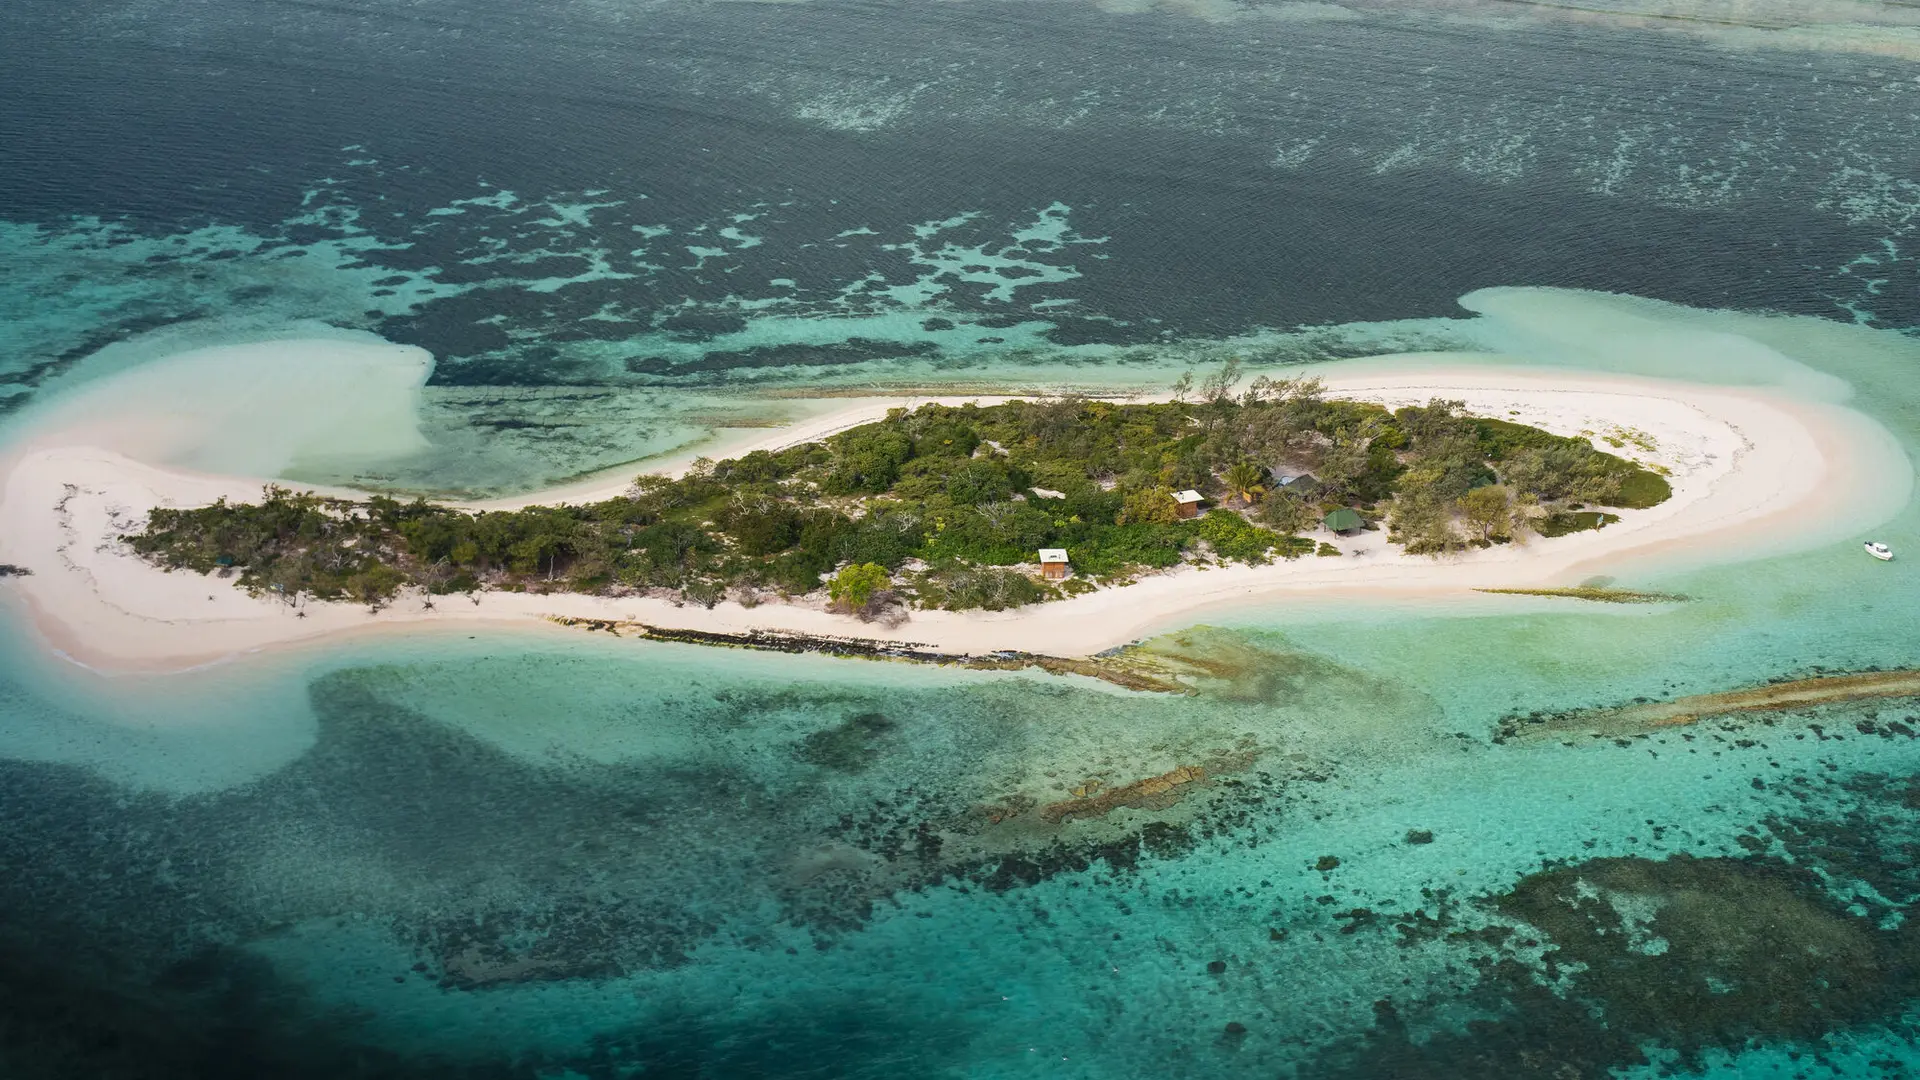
1879	551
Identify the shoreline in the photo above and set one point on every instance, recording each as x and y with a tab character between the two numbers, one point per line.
1753	474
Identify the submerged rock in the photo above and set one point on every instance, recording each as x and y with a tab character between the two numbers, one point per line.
1153	793
848	746
1699	953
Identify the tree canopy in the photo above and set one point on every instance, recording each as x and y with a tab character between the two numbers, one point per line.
947	506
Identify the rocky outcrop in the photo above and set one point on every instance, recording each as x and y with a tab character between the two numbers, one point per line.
1122	669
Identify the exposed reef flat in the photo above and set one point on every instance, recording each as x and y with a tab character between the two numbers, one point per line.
1773	697
1126	668
1597	594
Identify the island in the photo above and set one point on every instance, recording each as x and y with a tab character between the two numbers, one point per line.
149	525
955	507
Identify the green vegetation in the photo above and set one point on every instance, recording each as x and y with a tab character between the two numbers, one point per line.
944	507
1641	489
857	584
1565	522
861	589
1245	481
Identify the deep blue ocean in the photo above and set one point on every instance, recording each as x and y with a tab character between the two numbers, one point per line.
612	223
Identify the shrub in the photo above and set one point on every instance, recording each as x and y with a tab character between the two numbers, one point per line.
375	585
1643	488
867	460
797	573
883	538
1566	471
758	467
1424	524
1287	512
1572	522
990	589
1488	511
1094	506
1109	551
1149	506
1234	537
704	592
1499	438
946	438
853	587
761	526
976	482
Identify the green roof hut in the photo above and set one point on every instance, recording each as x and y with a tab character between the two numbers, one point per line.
1343	521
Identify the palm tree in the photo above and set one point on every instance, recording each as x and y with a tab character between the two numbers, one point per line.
1244	480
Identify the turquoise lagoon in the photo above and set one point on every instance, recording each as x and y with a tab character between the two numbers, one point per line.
541	853
617	227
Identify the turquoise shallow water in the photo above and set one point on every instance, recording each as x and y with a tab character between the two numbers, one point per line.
547	854
617	226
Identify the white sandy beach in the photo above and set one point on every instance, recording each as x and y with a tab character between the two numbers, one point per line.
1753	473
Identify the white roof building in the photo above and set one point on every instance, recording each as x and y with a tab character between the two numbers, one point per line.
1048	555
1188	496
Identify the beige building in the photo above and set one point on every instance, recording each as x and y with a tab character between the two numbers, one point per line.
1053	563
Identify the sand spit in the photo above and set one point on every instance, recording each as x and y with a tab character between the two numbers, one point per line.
1753	472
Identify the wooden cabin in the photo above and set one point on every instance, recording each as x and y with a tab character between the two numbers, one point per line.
1053	563
1187	503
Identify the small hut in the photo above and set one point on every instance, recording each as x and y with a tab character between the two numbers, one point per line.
1343	521
1187	503
1053	563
